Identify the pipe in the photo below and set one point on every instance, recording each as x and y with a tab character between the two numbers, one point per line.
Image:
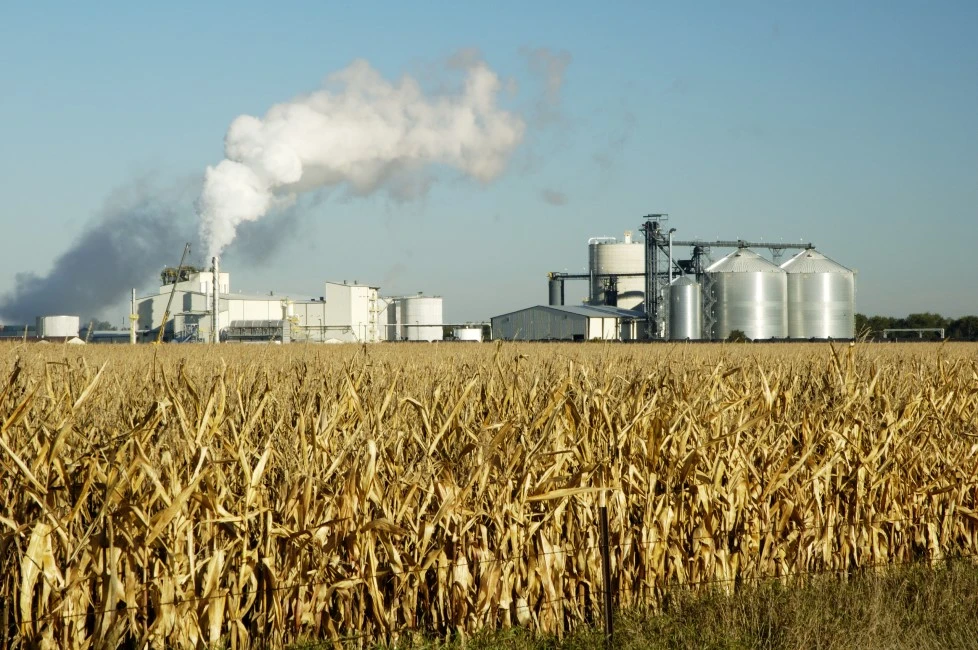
671	230
132	318
216	309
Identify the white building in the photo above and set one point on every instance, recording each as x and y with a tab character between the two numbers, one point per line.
568	323
345	312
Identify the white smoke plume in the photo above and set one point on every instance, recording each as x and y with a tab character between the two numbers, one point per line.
361	132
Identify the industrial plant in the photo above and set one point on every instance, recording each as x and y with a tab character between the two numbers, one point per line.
654	287
644	290
194	308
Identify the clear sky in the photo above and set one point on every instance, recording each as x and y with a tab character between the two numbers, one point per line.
850	124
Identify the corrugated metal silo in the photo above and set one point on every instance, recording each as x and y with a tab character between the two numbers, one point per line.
607	255
821	297
685	310
421	318
749	294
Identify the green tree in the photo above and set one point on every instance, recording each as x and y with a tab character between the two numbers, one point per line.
736	336
964	328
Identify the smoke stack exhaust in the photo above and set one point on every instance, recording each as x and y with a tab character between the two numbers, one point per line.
216	309
362	132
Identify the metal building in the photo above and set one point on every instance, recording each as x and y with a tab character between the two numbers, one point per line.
420	318
259	331
606	255
749	294
566	323
685	310
821	297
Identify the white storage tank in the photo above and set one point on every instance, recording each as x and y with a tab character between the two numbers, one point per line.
387	319
821	297
57	327
685	310
608	255
468	334
750	294
420	318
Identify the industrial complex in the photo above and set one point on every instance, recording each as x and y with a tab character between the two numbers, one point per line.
654	290
646	288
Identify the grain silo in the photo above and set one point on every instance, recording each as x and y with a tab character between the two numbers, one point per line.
821	297
749	294
608	256
685	310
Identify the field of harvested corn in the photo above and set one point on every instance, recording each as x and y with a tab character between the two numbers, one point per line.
182	496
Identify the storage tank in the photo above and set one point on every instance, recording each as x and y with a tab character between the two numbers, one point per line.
57	327
387	317
608	255
750	294
821	297
685	310
468	334
556	291
421	318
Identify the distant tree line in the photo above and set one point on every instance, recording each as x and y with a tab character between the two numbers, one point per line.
961	329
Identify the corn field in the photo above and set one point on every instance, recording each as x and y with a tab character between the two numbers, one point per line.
188	496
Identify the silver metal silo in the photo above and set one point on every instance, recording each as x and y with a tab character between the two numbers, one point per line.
685	310
556	291
821	297
750	294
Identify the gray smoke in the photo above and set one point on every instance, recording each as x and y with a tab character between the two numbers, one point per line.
553	197
138	232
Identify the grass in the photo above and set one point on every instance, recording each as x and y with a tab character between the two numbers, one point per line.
919	608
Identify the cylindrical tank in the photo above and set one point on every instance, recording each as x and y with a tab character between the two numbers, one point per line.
421	318
609	256
556	286
750	294
468	334
685	310
821	297
57	327
387	317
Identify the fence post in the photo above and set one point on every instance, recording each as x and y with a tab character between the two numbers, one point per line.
609	623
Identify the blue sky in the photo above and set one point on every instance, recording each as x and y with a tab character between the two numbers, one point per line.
852	125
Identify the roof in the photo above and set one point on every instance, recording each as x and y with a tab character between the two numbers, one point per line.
589	311
811	261
743	260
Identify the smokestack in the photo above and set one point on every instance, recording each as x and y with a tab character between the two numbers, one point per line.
216	310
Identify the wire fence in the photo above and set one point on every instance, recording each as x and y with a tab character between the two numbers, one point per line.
651	595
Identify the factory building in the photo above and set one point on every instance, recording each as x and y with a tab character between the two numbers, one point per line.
565	323
692	297
344	313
